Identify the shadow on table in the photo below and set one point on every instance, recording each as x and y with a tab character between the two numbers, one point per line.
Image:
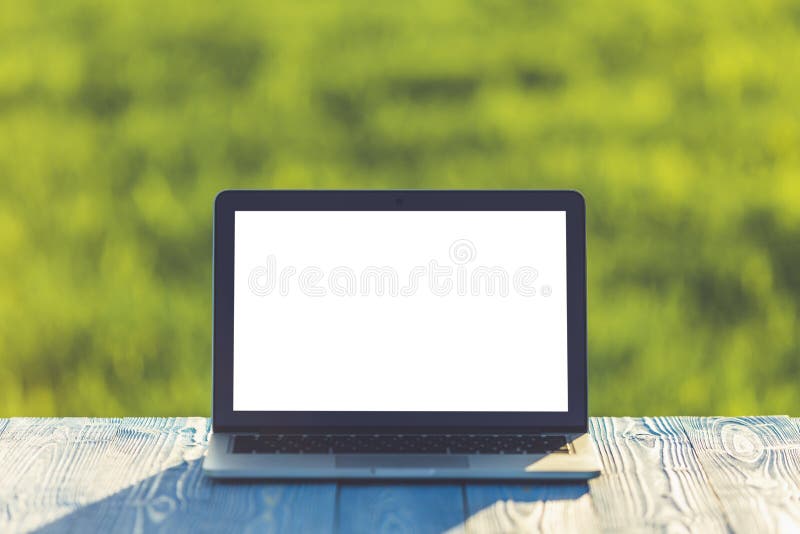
548	506
182	499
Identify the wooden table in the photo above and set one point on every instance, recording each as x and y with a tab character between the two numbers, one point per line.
705	474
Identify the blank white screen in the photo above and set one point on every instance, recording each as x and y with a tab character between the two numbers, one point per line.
313	333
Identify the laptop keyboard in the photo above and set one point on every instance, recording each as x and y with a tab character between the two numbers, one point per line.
394	444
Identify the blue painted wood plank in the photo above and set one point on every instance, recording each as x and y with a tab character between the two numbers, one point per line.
532	507
413	508
480	495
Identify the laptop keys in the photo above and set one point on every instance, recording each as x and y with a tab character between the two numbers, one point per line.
244	444
397	444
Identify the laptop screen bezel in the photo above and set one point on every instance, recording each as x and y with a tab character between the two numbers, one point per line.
227	203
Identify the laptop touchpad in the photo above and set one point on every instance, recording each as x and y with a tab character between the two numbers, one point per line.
400	461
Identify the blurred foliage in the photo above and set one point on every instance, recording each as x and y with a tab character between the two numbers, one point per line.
119	121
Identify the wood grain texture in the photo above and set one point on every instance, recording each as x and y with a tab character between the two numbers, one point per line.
672	474
753	464
413	508
82	475
652	478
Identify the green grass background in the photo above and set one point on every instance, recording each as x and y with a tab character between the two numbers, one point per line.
678	120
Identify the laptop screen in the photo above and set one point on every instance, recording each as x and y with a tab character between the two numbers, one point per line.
411	311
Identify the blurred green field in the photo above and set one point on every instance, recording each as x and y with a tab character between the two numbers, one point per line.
679	121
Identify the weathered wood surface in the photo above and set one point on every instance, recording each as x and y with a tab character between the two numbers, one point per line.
754	470
675	474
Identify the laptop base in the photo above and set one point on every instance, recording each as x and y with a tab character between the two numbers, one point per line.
580	464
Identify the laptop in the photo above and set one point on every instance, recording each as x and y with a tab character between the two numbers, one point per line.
400	335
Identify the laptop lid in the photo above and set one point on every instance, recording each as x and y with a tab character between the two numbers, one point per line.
401	311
